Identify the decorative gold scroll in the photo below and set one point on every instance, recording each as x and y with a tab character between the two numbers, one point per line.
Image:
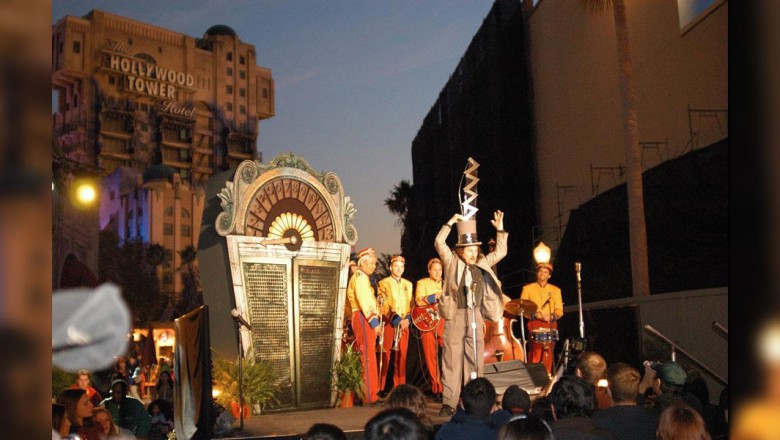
469	204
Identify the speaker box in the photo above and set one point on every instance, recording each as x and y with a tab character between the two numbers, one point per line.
530	377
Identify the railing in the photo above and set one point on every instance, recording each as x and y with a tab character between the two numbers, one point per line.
723	332
676	348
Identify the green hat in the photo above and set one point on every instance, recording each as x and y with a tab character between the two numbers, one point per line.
670	373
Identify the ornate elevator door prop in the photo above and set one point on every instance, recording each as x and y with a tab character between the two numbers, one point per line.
289	233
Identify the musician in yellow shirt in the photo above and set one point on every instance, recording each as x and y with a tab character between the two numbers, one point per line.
427	293
543	327
365	320
396	294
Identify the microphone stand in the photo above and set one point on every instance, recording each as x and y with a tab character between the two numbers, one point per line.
522	333
578	269
472	300
240	376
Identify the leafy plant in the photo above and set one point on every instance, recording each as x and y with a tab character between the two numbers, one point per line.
348	372
61	380
260	381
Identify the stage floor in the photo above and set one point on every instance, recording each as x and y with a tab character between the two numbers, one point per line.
293	424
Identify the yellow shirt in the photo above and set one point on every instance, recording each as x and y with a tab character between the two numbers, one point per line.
539	296
397	295
360	296
425	288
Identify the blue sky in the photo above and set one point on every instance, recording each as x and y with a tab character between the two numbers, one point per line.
353	79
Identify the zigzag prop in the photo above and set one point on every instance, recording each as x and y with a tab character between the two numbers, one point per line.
469	204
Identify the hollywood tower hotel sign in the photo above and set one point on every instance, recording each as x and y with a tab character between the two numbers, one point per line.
146	77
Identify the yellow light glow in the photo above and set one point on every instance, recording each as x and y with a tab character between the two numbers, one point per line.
542	253
215	392
602	383
769	343
85	193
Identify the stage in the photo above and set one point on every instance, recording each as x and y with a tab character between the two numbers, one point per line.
292	424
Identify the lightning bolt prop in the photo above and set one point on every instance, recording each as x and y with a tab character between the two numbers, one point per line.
469	203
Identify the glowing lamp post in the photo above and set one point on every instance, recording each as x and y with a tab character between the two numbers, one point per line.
542	254
86	193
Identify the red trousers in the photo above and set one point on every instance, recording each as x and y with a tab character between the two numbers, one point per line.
365	341
431	343
399	365
542	353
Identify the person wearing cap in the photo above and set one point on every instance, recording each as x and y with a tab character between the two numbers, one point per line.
349	334
516	400
667	380
365	320
127	412
428	291
468	275
396	294
549	309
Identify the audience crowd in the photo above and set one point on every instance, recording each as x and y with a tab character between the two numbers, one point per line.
139	403
598	401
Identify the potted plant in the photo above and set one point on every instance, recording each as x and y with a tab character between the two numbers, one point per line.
348	377
260	384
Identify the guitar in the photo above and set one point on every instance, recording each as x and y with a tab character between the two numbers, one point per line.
426	318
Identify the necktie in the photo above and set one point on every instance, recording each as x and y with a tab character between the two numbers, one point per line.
467	280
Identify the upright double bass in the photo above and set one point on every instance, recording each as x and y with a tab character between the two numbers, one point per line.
500	344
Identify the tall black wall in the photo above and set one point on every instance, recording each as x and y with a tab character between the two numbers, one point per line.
215	277
686	211
484	111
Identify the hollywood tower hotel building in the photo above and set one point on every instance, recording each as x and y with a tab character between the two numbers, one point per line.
151	110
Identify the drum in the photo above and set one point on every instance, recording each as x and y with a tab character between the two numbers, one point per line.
544	335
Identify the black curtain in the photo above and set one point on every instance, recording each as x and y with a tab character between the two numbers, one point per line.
192	370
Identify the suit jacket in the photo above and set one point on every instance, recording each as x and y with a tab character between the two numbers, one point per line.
492	306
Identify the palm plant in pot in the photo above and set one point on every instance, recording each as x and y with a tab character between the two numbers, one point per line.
259	384
348	376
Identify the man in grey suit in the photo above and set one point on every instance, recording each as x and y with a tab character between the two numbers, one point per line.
467	274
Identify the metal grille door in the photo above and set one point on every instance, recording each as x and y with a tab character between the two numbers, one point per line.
269	299
316	289
292	308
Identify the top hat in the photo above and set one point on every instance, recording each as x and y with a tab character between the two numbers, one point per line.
467	233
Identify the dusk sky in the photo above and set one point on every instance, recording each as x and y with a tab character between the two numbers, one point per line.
353	80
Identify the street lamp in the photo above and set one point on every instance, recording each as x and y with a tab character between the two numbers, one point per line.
86	193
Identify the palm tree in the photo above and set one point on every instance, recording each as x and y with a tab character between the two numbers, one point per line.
158	257
637	230
398	202
190	279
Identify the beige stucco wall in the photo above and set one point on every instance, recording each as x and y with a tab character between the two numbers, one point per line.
577	103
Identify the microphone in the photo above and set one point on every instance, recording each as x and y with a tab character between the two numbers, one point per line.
549	296
471	299
240	319
578	268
